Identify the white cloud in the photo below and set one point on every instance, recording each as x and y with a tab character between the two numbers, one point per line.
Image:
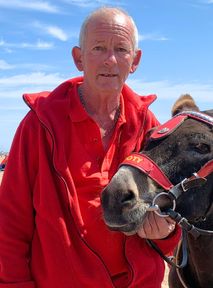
166	90
12	108
2	43
81	3
54	31
57	33
29	5
152	37
31	66
5	66
92	3
27	83
42	45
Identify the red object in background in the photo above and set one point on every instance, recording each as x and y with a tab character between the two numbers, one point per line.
3	163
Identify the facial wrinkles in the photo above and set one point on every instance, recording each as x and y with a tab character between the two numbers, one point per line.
117	31
114	60
118	26
110	34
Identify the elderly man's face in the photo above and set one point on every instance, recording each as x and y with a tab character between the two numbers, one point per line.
108	56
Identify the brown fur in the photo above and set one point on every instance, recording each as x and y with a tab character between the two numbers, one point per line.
185	102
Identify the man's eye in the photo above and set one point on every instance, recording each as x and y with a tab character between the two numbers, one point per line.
121	49
98	48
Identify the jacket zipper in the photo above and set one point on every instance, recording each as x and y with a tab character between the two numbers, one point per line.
67	191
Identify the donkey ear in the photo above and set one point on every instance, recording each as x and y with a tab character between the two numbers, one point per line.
184	102
148	135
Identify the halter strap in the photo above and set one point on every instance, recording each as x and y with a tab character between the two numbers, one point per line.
172	124
206	170
203	117
149	167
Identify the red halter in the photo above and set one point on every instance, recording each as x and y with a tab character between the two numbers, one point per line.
150	168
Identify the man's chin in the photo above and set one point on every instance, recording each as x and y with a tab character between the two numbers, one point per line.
109	84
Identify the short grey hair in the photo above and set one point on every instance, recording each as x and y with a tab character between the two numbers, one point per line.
103	10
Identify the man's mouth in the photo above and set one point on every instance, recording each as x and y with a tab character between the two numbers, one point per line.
107	75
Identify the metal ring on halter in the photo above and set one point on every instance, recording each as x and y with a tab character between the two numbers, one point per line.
159	213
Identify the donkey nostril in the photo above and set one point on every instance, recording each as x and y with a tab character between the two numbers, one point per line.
128	197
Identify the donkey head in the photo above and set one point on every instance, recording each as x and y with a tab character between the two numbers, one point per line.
179	154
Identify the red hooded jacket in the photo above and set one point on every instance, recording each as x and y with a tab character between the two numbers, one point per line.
41	242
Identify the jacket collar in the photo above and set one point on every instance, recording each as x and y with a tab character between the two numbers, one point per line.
53	111
56	104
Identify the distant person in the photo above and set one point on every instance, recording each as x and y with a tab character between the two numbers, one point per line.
3	162
64	153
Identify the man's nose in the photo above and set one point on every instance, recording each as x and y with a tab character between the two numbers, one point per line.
110	58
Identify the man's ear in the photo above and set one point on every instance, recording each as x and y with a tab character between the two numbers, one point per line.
136	60
76	54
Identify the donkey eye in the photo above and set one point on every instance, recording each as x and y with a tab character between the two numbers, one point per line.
202	148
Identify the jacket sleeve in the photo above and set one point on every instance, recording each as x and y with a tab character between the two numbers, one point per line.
16	209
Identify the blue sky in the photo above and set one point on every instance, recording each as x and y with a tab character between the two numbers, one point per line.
36	38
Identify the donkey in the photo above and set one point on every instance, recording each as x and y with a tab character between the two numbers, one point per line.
176	176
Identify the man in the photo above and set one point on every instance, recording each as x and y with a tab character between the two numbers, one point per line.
64	153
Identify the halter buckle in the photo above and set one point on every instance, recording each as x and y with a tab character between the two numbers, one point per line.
155	208
182	185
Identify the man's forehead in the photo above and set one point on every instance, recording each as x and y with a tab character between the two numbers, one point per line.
108	20
120	19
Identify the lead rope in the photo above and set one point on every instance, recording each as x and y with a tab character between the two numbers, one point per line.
169	259
182	246
177	268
